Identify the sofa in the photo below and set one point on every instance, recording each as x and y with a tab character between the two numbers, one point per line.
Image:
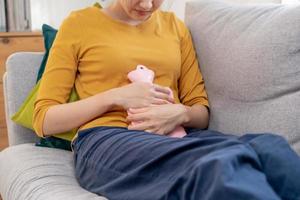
250	60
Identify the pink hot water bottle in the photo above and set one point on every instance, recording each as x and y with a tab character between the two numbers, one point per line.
143	74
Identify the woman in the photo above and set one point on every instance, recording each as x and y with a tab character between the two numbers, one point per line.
95	49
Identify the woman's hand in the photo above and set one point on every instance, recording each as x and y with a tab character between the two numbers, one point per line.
140	94
157	119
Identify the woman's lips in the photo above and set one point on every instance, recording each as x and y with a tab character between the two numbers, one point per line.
143	13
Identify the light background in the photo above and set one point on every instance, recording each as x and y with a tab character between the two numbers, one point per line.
54	11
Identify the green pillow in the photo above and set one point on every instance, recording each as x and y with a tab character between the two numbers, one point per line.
49	34
24	116
98	5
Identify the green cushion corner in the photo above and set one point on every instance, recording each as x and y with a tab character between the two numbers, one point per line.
24	116
98	5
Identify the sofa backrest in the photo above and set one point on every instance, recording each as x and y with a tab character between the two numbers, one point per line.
18	80
250	59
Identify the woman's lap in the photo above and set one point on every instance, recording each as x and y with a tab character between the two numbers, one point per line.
109	146
114	161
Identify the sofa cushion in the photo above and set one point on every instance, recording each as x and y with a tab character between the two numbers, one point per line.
16	87
28	172
250	59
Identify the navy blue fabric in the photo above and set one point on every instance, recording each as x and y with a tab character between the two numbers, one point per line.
135	165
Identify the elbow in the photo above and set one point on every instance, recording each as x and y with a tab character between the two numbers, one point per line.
197	116
38	122
206	118
204	115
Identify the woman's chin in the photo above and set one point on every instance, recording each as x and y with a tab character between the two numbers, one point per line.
141	16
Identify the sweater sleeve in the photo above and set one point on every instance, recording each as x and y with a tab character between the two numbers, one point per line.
60	72
191	84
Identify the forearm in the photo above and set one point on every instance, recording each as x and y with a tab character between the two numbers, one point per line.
64	117
196	116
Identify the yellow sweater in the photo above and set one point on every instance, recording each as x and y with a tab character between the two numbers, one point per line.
95	52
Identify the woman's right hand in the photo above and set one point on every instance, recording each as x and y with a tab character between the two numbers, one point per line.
141	94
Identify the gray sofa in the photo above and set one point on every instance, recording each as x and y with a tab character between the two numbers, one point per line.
250	60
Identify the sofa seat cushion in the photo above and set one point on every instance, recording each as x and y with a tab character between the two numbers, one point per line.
28	172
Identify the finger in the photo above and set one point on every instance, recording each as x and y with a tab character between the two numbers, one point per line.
162	89
163	96
155	131
138	110
140	126
160	132
128	120
137	117
128	114
160	102
135	122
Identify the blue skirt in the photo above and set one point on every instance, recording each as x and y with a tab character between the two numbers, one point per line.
121	164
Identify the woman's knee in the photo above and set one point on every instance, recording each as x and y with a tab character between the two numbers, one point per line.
271	140
263	139
224	171
273	136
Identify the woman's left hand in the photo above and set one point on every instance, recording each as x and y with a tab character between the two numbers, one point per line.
159	119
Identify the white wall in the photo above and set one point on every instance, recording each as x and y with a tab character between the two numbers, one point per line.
290	1
254	1
52	12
